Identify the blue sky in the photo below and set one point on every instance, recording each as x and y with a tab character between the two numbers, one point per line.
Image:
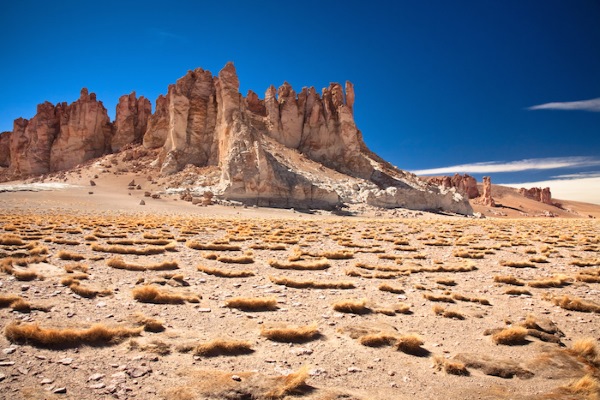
439	84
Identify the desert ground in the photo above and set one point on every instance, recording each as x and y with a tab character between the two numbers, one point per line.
102	297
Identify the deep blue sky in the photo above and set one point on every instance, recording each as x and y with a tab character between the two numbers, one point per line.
438	83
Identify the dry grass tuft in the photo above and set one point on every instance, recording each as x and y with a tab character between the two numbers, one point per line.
494	367
450	367
288	384
443	299
518	264
388	288
96	335
588	350
311	284
307	265
119	263
151	294
518	292
557	281
300	334
378	340
452	314
11	240
67	255
352	306
587	387
86	291
411	344
510	336
573	303
222	273
70	268
212	246
480	300
509	280
221	347
149	324
144	251
236	260
253	303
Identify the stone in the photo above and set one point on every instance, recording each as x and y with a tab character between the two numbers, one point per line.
486	197
542	195
465	184
131	121
92	183
5	149
142	203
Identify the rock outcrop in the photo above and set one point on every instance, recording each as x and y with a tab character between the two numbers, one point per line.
287	150
5	149
131	121
463	183
486	198
542	195
60	137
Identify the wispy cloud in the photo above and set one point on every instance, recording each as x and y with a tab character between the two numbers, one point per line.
514	166
583	105
579	175
582	189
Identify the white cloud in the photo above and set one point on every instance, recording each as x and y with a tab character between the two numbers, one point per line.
593	174
513	166
584	105
584	189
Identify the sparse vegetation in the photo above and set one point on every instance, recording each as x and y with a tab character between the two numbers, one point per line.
222	347
297	334
253	303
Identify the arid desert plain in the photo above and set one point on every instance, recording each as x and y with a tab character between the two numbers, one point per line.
102	297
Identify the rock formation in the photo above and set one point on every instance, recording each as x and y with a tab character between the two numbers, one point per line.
486	198
288	150
5	149
131	121
463	183
542	195
60	137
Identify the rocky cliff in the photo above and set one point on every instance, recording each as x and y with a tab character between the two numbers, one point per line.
289	149
465	184
542	195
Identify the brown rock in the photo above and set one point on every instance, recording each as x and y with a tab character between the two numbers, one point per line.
464	183
131	121
85	132
486	197
158	125
5	149
542	195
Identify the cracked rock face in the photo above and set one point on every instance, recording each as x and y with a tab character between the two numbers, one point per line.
290	149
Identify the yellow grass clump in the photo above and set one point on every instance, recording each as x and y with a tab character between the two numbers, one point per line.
574	304
377	340
384	287
297	334
411	344
86	291
222	273
518	292
69	337
149	324
144	251
352	306
310	284
212	246
222	347
235	260
151	294
480	300
119	263
518	264
439	298
556	281
11	240
450	367
509	280
510	336
67	255
307	265
253	303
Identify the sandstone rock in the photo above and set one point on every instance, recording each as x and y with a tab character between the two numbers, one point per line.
464	183
542	195
158	125
85	132
5	149
486	197
131	121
